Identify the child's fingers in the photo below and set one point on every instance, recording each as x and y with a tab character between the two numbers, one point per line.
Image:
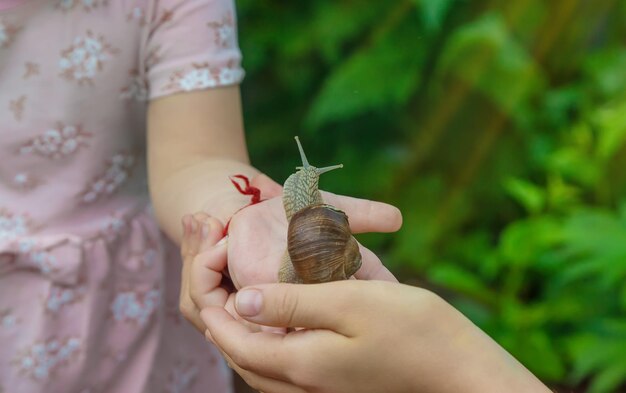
200	231
189	245
372	268
366	215
210	231
205	277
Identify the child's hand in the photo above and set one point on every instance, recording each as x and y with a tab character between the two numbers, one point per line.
256	244
361	336
204	261
258	237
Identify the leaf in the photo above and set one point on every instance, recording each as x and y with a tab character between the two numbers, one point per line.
622	298
376	77
454	277
611	124
536	351
560	102
573	164
610	378
527	194
605	69
484	54
594	244
336	24
433	13
561	195
595	232
522	241
600	353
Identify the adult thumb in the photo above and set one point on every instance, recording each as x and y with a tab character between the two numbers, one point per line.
317	306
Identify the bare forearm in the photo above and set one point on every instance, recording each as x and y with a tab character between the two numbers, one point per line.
489	368
195	141
471	361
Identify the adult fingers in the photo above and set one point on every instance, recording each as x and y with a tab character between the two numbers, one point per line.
196	321
372	268
252	327
259	382
366	215
258	352
324	306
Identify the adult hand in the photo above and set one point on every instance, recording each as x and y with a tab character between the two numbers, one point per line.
258	235
361	336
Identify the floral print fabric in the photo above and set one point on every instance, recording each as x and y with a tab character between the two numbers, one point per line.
88	283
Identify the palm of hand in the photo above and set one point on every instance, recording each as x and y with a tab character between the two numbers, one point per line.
258	238
256	244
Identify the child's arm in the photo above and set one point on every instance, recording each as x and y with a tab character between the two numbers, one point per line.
195	141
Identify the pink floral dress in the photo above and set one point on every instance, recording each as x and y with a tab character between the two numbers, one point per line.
88	283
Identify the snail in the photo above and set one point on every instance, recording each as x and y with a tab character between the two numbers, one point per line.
320	246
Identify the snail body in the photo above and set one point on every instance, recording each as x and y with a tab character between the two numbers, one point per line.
320	246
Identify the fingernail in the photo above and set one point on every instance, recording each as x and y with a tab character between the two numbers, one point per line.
248	302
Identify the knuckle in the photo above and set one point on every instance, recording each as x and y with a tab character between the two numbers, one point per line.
430	300
186	309
194	297
286	308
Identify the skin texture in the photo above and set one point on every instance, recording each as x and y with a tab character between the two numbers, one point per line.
195	142
361	336
365	336
205	265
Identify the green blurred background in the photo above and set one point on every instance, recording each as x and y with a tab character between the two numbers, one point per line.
497	127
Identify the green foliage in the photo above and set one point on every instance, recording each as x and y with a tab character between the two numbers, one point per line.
484	54
359	85
498	128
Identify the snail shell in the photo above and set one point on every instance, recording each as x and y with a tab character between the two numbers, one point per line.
321	246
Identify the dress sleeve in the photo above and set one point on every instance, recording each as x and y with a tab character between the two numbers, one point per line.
190	45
